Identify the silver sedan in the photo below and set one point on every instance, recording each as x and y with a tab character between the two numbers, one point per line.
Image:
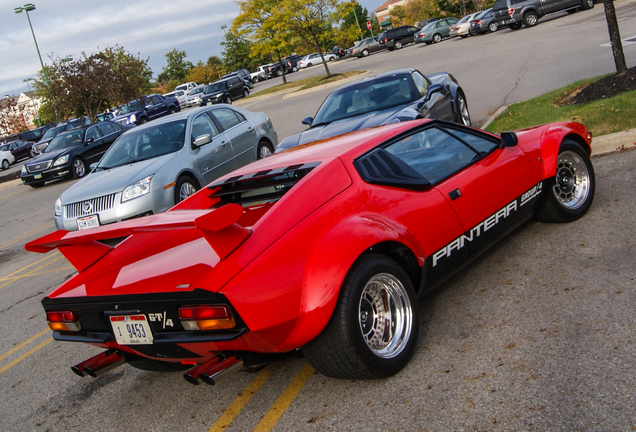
154	166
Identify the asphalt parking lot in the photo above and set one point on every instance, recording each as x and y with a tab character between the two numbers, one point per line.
538	334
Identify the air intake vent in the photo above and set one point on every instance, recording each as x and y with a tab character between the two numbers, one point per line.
382	168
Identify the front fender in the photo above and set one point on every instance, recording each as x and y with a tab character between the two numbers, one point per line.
328	262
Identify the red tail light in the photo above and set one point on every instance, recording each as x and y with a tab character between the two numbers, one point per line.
511	11
478	22
216	317
63	321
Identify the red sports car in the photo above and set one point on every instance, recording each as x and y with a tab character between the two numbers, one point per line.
319	251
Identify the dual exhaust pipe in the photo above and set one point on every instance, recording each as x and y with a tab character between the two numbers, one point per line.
210	372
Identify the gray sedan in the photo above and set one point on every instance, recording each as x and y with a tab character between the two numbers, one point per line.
154	166
365	47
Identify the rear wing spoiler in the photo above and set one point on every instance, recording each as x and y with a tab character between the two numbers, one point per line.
83	248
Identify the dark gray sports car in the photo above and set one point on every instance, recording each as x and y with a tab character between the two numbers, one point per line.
390	97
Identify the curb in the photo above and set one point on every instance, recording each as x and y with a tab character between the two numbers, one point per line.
331	84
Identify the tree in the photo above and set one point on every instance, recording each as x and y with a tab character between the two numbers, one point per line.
311	20
420	10
262	22
398	16
236	53
615	37
205	73
175	70
90	84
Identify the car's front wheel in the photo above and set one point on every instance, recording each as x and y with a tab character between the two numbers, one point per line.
246	93
185	187
571	191
227	99
462	116
373	330
5	164
78	166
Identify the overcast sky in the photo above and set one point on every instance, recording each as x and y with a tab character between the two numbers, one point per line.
150	28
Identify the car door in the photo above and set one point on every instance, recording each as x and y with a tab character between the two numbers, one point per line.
110	133
485	183
215	158
157	108
241	133
93	147
437	105
18	149
236	87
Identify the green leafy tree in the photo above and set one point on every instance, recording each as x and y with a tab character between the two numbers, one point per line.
418	11
205	73
175	70
399	16
236	53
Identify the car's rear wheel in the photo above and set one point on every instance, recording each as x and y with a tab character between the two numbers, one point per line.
492	27
374	327
515	26
365	53
398	45
462	116
5	164
186	186
571	191
78	166
264	149
437	38
530	19
587	4
158	366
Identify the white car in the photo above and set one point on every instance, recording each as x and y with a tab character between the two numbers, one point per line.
261	73
7	159
462	27
179	94
194	97
313	59
186	87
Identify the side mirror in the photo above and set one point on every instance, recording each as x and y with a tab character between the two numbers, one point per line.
307	121
509	139
92	167
202	140
88	141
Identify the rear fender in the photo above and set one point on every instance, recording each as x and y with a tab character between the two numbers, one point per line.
328	262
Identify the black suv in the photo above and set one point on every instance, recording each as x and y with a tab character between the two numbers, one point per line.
224	91
244	74
397	37
515	13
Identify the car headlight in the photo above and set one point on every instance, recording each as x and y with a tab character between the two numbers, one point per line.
137	189
133	118
58	207
61	160
23	170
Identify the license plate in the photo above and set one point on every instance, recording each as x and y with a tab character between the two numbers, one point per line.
131	330
37	176
87	222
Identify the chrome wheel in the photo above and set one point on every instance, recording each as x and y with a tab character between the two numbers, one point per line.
5	164
385	315
530	20
463	110
79	169
492	27
365	53
264	151
437	38
572	185
186	190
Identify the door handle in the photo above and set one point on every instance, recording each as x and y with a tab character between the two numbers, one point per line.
223	144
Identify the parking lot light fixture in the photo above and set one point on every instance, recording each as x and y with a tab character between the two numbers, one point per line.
28	8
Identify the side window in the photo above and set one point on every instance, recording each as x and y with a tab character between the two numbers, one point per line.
433	153
227	117
420	83
479	143
93	133
107	128
203	125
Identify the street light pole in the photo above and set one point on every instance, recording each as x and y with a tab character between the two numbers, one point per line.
35	108
26	8
357	22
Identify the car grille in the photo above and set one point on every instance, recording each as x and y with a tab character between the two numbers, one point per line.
39	166
91	206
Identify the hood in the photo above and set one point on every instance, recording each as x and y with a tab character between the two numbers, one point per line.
105	182
49	156
375	118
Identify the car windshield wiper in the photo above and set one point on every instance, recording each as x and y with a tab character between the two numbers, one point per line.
325	123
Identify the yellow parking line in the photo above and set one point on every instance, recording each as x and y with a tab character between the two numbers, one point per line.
25	355
54	255
26	342
10	278
11	194
26	234
280	406
242	400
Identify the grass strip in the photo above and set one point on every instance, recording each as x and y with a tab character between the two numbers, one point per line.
308	83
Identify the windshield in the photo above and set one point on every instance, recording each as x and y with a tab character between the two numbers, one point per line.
196	90
51	133
216	87
66	140
466	18
148	143
131	107
372	95
4	147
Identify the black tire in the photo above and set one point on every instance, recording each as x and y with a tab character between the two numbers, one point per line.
344	348
185	187
398	45
365	53
515	26
36	185
279	73
437	38
5	164
332	59
172	110
158	366
463	36
569	194
428	43
246	93
571	11
492	27
78	167
530	19
227	99
462	115
143	120
264	149
390	49
587	4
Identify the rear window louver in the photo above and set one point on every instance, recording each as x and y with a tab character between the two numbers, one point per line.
261	187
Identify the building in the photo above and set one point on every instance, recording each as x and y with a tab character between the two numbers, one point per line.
383	13
18	113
